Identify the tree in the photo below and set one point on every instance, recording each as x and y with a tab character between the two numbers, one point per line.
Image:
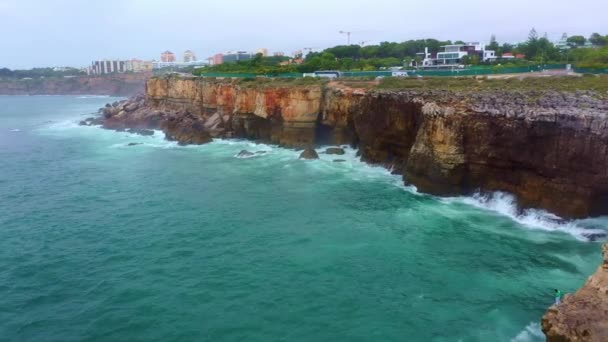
533	35
598	40
494	46
576	41
506	47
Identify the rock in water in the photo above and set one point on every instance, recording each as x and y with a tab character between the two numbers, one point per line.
335	150
245	154
339	161
144	132
309	153
133	144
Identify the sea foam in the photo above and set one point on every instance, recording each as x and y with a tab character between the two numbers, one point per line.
531	333
506	204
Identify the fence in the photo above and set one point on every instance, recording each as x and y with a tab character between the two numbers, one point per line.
591	71
470	71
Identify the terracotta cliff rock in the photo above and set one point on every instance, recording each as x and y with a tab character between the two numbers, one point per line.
548	148
584	315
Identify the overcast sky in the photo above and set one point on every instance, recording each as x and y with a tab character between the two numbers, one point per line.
75	32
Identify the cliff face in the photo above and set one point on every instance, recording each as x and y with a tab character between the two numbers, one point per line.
114	85
550	149
584	315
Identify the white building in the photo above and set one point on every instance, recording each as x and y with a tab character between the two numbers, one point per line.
453	55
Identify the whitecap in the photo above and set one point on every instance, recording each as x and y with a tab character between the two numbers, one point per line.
93	96
532	332
15	130
506	204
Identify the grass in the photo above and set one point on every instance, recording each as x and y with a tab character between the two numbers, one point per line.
595	83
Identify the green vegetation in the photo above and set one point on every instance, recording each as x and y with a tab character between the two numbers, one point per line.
590	58
6	73
280	82
537	50
563	83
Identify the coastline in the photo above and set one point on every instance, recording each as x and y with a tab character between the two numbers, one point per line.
191	115
123	85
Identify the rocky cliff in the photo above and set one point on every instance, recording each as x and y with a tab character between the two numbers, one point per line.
584	315
549	148
114	85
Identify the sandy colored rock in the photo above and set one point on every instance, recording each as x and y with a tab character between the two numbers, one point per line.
584	315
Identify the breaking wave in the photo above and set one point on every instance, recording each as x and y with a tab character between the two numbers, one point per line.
531	333
590	229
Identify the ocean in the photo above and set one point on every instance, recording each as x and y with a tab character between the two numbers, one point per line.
102	241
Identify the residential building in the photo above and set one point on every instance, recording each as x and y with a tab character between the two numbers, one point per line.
263	51
279	54
107	66
454	55
167	57
137	65
298	54
189	56
217	59
236	56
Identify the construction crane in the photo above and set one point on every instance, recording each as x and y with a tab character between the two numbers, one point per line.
347	33
309	49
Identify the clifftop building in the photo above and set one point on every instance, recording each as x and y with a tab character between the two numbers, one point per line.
233	57
453	55
107	66
167	57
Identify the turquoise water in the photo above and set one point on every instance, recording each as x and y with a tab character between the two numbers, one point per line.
100	241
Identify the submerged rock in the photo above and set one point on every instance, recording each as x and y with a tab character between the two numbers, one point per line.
245	154
91	122
309	153
339	161
335	150
144	132
133	144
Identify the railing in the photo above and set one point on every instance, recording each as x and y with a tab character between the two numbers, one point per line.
591	70
470	71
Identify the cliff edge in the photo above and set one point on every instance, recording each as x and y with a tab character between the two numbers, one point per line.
548	147
582	316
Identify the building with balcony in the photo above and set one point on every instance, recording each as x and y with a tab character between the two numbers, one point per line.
107	66
454	55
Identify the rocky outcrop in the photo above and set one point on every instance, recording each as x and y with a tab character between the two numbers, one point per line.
335	150
548	148
113	85
582	316
309	153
